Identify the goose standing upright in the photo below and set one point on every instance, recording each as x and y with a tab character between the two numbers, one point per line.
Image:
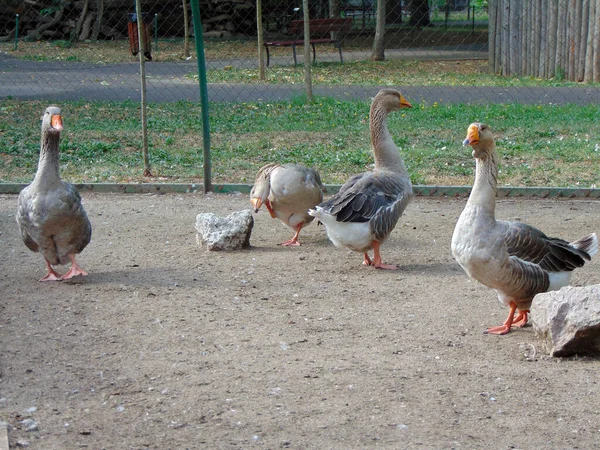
287	191
366	209
516	259
50	214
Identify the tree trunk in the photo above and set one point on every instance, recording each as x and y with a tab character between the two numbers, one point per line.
307	60
419	13
37	33
98	22
378	53
77	31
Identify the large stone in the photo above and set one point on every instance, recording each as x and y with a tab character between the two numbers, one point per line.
568	320
229	233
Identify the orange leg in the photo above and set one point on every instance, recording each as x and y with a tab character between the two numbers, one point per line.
367	261
377	259
74	271
505	327
293	242
52	275
521	319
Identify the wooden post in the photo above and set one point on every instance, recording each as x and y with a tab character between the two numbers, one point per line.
186	30
261	47
142	50
307	60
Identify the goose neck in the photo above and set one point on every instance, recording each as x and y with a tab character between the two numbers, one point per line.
486	180
48	166
385	151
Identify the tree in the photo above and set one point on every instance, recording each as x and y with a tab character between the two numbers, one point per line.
378	53
419	13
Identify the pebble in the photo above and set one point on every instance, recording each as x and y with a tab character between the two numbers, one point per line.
29	424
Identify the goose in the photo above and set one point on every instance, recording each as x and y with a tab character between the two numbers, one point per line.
50	215
287	191
516	259
367	207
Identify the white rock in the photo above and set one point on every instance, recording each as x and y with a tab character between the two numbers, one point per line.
229	233
568	320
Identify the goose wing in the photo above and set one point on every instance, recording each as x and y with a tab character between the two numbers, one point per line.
377	197
532	245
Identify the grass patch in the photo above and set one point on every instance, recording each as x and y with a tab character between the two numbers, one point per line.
383	73
538	145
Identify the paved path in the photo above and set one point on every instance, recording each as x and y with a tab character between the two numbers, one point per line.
169	81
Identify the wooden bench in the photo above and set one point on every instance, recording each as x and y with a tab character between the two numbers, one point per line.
320	33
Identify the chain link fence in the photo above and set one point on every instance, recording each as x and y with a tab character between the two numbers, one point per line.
85	49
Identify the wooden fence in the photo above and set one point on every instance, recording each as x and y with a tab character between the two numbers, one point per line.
545	38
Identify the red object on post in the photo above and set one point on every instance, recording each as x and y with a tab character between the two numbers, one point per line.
132	31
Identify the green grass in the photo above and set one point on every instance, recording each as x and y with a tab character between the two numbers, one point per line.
383	73
538	146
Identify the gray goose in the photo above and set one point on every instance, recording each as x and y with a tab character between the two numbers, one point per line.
50	214
516	259
288	191
367	207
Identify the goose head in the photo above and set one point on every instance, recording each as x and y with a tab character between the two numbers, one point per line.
391	100
260	192
481	140
52	120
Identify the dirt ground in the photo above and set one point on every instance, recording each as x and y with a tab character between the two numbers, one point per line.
167	346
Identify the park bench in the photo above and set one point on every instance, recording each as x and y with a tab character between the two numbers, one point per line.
320	33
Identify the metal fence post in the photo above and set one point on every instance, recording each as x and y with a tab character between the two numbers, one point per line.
203	93
17	32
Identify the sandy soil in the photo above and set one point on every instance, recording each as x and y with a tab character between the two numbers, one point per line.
167	346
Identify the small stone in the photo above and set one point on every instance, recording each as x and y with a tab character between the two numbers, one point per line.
23	444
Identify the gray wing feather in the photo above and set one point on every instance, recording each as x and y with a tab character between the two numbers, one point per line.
532	245
372	197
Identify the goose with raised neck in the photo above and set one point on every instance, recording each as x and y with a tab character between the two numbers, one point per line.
288	191
368	206
516	259
50	215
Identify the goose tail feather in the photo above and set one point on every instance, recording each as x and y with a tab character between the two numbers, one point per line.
588	244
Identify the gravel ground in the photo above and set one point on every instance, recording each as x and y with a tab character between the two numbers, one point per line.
167	346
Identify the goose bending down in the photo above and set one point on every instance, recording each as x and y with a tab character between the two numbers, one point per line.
50	215
287	191
516	259
368	206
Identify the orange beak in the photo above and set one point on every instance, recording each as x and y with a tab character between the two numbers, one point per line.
404	103
56	122
472	136
256	202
